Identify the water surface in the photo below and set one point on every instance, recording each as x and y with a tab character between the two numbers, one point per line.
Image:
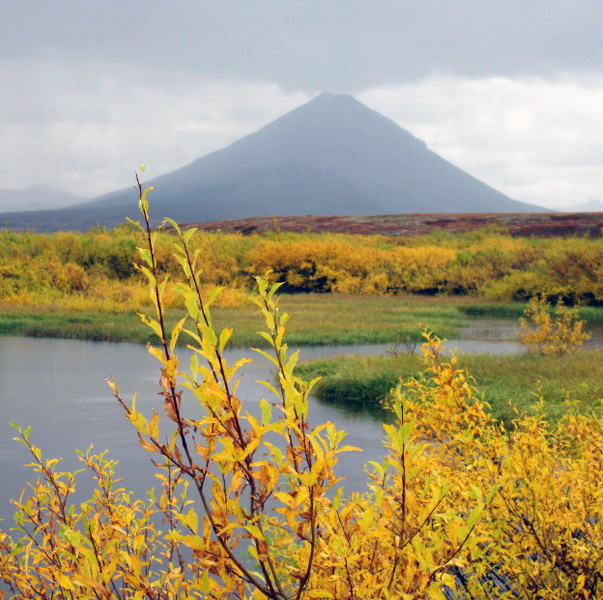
58	387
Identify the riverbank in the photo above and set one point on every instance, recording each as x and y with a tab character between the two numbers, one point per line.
511	384
316	319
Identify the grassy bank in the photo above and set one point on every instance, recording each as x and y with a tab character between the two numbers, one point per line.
514	310
316	319
510	384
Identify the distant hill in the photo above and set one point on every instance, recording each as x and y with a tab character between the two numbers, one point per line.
36	197
331	156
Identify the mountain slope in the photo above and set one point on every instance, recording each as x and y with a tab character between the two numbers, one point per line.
36	197
331	156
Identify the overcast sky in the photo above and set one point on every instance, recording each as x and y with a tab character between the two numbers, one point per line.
509	90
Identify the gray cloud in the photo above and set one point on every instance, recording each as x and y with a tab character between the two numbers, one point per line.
536	140
313	44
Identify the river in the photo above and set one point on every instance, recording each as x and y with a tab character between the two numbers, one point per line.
58	387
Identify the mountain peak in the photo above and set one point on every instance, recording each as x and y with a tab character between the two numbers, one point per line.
334	99
330	156
334	105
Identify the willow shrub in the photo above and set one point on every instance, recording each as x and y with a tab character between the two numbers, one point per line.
251	505
550	329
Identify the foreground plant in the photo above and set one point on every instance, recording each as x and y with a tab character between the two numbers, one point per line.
250	504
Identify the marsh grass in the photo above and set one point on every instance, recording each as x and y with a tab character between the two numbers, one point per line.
317	319
510	310
510	384
95	326
333	319
514	310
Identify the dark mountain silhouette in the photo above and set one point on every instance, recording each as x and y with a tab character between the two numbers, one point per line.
331	156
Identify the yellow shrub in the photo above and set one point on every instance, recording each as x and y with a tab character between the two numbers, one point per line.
420	269
551	330
479	263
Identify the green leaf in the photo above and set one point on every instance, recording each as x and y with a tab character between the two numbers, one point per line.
270	387
190	520
271	358
337	498
192	541
132	222
143	203
145	254
208	336
162	285
255	531
394	436
173	224
73	537
148	274
139	421
194	365
405	431
191	304
212	296
266	336
291	363
266	412
273	290
188	234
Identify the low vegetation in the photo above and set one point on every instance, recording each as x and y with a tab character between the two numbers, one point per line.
83	285
551	330
544	225
93	271
251	505
318	319
510	384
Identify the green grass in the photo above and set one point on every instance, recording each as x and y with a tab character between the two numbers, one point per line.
97	326
510	310
333	319
514	310
316	319
510	384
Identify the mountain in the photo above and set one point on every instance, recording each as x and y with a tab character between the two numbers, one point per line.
36	197
331	156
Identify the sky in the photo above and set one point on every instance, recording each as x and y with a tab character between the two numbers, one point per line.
509	90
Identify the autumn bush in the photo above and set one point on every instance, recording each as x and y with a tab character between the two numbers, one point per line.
94	271
551	329
251	504
485	263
